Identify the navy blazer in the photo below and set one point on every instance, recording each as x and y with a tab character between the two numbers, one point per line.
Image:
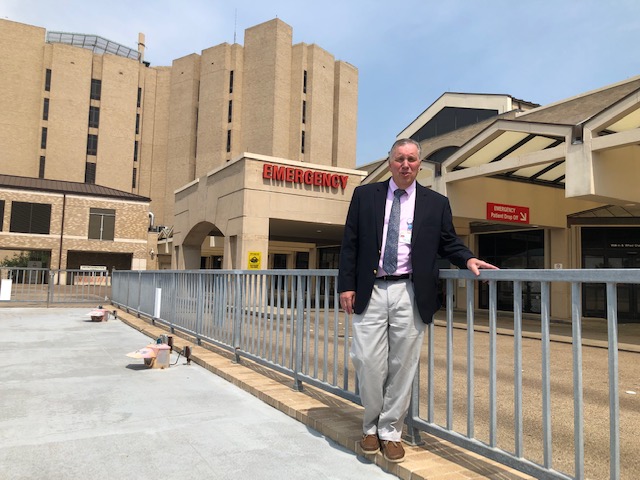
433	234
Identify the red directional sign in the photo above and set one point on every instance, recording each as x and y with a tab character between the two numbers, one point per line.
507	213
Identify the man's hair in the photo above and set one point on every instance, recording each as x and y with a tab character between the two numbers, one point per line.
405	141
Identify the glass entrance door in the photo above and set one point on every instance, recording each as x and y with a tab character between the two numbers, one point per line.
611	247
513	250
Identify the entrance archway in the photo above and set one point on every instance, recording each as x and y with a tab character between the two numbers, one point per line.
190	250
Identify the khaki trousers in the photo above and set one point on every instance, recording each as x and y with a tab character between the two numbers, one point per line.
387	338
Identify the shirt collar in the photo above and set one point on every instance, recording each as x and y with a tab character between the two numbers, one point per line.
393	187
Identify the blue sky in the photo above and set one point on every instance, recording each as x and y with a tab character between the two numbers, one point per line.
408	52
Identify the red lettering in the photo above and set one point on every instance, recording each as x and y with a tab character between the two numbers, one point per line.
308	177
278	173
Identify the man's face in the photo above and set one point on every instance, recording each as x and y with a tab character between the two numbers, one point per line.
404	165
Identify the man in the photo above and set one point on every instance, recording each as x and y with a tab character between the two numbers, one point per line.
388	278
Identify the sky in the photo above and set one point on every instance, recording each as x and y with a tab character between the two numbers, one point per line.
407	52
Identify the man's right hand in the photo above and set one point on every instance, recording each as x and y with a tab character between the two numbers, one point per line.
347	300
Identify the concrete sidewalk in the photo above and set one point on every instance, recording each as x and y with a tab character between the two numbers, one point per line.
73	406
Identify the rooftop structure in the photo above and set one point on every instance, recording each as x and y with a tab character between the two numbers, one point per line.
96	44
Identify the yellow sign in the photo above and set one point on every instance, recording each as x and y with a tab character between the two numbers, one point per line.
255	260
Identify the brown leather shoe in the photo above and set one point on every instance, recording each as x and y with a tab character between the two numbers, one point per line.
392	451
370	444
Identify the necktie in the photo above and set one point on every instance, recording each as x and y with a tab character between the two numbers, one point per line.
390	259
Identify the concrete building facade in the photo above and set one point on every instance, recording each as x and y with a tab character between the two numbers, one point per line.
83	109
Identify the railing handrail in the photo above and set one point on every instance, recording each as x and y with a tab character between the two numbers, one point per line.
269	315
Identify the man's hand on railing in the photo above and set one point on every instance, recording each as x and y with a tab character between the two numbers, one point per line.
475	264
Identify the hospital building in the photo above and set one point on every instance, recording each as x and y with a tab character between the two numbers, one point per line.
244	157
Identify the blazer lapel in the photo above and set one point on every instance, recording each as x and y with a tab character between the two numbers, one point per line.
379	200
420	210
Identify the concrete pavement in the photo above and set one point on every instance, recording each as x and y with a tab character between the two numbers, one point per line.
74	406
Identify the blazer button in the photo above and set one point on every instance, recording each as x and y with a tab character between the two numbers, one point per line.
375	272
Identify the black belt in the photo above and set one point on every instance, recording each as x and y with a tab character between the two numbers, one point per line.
395	278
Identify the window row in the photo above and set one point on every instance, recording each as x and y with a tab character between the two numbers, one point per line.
92	149
92	142
96	93
35	218
94	122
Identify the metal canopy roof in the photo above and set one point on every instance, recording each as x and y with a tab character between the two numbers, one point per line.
532	147
509	144
514	150
629	121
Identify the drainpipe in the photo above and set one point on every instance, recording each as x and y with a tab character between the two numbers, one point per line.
64	206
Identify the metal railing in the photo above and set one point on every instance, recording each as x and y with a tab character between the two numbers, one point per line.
41	285
290	320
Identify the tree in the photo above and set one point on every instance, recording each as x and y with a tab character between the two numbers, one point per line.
22	259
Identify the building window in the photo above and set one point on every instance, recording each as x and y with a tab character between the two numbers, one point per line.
137	123
230	114
41	169
304	111
228	141
92	144
1	214
304	82
96	89
47	80
45	109
43	138
30	218
94	117
231	82
135	151
139	96
302	143
134	178
90	173
102	223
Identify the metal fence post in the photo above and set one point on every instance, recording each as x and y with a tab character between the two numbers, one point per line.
614	400
139	294
412	436
299	333
50	287
237	319
199	308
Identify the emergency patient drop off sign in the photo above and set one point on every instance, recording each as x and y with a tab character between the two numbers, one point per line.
507	213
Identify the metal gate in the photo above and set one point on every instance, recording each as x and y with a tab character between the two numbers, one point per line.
41	285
